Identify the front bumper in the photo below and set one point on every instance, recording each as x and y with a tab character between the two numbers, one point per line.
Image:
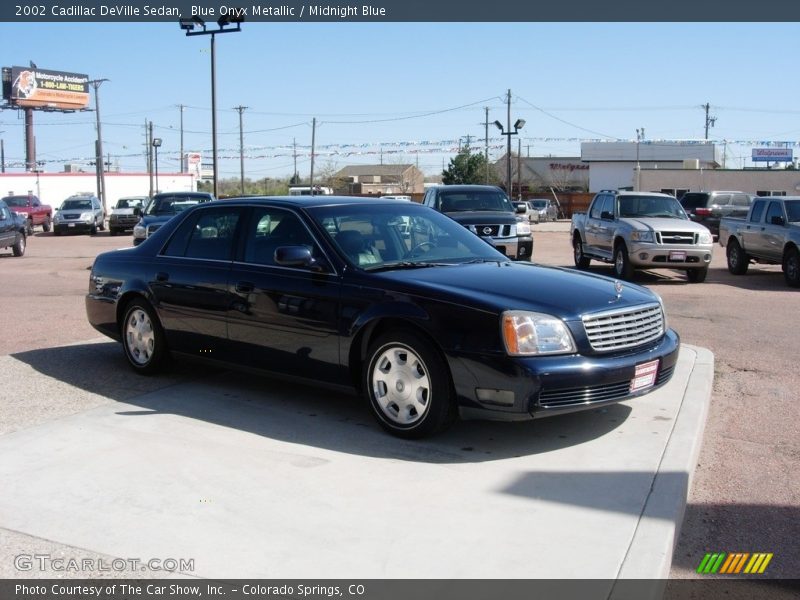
512	388
73	226
516	248
678	256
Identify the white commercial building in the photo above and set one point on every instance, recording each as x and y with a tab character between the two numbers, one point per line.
613	165
54	188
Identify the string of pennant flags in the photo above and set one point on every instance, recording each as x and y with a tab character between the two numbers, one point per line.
420	147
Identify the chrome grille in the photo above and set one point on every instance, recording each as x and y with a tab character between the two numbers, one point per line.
613	330
678	237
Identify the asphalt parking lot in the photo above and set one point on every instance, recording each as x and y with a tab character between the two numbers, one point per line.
744	496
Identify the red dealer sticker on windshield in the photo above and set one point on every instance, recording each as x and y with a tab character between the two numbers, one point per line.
645	376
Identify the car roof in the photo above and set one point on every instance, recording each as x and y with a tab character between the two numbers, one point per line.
309	201
467	187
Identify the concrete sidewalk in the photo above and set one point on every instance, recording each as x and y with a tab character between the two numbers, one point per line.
255	478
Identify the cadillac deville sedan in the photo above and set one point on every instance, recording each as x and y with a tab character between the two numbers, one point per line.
393	300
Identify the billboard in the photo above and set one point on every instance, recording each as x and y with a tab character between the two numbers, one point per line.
39	88
772	155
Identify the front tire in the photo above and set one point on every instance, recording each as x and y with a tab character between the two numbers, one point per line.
696	275
791	268
29	227
581	260
143	338
408	386
622	264
19	245
737	259
47	224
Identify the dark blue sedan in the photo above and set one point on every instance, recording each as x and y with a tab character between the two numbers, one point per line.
391	299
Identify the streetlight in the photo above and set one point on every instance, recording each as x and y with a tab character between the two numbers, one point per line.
156	145
519	124
189	25
639	138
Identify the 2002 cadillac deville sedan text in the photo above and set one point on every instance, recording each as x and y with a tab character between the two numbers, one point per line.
389	298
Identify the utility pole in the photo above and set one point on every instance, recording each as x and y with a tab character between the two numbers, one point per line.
101	172
486	142
150	154
294	154
313	134
2	155
639	138
508	149
181	107
709	120
519	168
241	109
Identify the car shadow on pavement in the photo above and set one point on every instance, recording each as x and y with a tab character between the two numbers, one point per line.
296	413
731	527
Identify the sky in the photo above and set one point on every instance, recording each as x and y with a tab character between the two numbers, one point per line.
409	90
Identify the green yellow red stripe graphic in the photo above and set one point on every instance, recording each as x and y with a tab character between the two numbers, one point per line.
734	563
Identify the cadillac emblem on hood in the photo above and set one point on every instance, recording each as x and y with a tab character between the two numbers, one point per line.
618	288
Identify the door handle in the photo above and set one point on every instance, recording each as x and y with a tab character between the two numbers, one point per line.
245	287
161	276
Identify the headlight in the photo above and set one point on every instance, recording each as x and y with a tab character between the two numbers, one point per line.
705	238
140	231
57	217
530	333
87	216
642	236
523	228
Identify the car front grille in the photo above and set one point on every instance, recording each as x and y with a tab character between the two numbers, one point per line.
606	392
614	330
491	230
677	237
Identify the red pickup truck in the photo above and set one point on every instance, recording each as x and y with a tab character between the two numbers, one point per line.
34	212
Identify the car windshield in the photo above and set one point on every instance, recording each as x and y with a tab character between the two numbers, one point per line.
650	206
692	200
17	201
460	200
792	210
129	203
76	204
172	205
400	235
539	204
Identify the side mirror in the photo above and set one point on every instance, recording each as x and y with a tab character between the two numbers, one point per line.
296	256
606	215
777	220
521	209
137	211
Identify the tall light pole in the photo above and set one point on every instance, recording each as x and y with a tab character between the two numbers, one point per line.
189	26
639	138
241	109
101	172
156	146
519	124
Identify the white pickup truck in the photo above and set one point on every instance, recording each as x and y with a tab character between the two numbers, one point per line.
770	234
645	230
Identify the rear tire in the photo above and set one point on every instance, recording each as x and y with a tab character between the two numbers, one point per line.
791	268
696	275
46	226
581	260
29	227
143	338
408	386
738	261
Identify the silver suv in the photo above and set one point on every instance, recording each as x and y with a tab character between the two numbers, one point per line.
81	213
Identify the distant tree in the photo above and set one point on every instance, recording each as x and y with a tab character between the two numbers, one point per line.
467	167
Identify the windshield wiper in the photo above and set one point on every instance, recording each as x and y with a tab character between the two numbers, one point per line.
406	264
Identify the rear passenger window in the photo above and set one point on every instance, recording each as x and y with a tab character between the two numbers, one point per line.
208	234
757	211
741	200
722	199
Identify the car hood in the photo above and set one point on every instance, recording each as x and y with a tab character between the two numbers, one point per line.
499	286
663	224
482	217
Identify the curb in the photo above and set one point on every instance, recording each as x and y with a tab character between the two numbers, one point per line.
650	552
